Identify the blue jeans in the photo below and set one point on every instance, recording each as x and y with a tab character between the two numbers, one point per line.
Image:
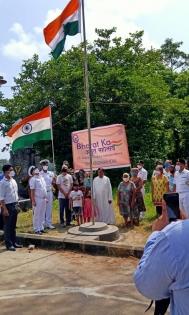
64	205
10	225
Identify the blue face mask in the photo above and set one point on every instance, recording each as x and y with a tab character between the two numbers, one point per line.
167	165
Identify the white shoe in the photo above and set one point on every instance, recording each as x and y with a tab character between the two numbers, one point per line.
142	214
51	227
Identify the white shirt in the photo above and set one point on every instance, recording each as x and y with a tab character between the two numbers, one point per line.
65	182
37	183
182	181
143	174
8	190
76	198
48	178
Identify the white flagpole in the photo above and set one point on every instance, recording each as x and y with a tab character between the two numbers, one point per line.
52	139
88	110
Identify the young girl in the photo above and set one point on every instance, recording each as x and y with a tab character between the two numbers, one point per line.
76	203
87	210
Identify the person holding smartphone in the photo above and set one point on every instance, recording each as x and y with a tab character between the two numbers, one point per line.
163	271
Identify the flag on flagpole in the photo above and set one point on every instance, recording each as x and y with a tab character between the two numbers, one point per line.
31	129
67	23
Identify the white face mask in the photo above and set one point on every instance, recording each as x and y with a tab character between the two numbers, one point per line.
126	179
157	173
177	167
45	167
12	174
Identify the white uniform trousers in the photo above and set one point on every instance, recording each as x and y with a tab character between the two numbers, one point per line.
48	210
38	214
184	202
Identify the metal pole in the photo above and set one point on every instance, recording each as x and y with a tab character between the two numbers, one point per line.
88	110
52	140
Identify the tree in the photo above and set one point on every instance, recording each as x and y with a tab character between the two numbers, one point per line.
128	85
173	57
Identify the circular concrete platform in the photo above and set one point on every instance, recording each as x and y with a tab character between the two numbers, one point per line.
102	231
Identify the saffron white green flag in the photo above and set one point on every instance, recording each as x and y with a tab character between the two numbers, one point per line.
31	129
67	23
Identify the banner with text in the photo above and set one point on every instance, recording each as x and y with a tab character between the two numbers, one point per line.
109	148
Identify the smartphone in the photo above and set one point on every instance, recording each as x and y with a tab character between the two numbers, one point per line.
172	202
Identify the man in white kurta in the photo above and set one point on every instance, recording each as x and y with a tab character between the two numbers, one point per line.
102	194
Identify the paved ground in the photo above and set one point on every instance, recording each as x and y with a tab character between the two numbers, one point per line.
56	283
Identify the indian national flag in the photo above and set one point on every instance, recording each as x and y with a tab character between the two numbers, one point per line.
67	23
31	129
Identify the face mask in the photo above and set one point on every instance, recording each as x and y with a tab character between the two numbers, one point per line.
157	173
12	174
134	174
167	165
139	167
177	167
45	167
126	179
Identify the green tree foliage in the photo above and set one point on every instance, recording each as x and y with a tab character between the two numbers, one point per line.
128	84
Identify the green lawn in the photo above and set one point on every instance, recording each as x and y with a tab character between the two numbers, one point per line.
24	223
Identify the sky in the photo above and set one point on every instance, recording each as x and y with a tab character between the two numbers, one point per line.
22	23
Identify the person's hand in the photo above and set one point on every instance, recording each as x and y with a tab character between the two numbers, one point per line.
33	203
132	204
162	221
5	212
183	215
109	201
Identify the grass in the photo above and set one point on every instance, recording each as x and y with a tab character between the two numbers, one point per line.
24	222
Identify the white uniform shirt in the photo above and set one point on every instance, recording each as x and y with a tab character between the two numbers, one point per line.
143	174
77	198
8	190
182	181
48	178
38	184
65	182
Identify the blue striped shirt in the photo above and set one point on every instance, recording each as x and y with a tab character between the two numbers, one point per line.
163	270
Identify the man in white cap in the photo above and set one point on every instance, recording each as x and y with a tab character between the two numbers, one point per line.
49	180
38	199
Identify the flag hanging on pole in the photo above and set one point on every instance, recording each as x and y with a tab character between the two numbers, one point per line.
31	129
67	23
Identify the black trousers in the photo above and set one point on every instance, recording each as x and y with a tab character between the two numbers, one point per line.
161	306
10	225
1	221
64	205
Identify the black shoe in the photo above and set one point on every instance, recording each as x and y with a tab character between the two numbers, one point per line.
38	233
18	245
11	248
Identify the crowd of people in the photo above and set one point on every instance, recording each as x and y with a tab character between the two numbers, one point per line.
74	193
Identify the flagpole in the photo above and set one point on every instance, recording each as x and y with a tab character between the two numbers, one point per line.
52	139
88	109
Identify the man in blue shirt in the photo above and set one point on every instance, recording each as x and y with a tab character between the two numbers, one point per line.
163	271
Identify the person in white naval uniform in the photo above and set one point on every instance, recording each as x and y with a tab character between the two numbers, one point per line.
182	185
49	180
39	200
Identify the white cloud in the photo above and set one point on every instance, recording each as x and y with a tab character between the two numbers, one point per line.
24	44
51	15
101	14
